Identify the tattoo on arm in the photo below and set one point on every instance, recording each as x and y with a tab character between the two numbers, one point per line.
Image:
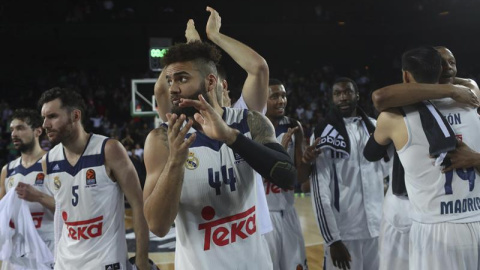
162	135
261	129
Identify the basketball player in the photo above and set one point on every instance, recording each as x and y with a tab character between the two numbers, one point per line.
445	216
254	93
396	222
26	176
201	173
285	242
347	189
90	175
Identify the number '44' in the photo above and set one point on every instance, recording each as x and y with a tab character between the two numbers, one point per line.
227	176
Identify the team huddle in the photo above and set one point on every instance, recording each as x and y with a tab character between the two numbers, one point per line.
224	174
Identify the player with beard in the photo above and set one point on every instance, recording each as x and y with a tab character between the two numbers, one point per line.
90	175
396	221
26	176
285	242
347	189
200	169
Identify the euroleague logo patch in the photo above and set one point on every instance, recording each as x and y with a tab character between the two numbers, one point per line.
192	162
39	179
91	177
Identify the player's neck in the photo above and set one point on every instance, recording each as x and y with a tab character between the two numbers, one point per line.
75	145
31	157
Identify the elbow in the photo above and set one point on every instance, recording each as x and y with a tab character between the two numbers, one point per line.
379	98
260	67
159	230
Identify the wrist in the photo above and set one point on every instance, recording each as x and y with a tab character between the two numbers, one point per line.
231	137
214	37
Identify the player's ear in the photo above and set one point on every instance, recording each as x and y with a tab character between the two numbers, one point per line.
76	115
406	76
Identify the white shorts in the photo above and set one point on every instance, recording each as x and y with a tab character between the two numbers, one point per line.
285	242
364	254
446	246
393	244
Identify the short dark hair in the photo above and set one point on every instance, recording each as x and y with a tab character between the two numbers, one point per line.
29	116
71	99
274	81
347	80
205	56
424	63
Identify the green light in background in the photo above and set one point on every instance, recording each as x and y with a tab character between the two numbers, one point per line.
158	53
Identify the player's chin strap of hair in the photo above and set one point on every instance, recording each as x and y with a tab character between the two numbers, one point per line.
270	160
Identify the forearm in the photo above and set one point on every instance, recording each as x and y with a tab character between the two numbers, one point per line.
468	83
141	233
303	171
161	206
403	94
270	160
47	201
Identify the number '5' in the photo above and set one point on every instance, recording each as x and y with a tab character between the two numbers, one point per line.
75	195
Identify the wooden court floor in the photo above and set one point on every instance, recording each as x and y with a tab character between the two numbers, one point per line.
311	234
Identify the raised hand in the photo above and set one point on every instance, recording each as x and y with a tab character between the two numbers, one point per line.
211	122
465	95
191	33
214	23
311	152
287	137
177	143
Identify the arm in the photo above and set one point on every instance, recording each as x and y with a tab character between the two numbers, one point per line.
3	175
255	88
303	170
402	94
162	96
29	193
165	154
463	157
120	168
468	83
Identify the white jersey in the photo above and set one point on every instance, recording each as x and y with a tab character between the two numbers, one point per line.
348	193
91	206
217	217
34	176
436	196
281	199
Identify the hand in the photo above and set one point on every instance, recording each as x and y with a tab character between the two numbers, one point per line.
287	137
27	192
178	145
311	152
211	122
465	95
462	157
227	102
213	24
191	34
340	255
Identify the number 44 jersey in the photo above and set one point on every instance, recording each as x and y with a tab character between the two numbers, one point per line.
91	207
435	196
216	221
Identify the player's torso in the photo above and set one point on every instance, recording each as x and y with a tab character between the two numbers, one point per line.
34	176
279	199
217	214
437	196
91	206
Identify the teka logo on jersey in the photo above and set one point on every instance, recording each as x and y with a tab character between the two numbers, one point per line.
272	188
37	218
39	179
84	229
225	231
91	177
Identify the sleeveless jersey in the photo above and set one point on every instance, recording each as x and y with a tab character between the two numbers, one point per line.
216	221
436	196
281	199
91	207
34	176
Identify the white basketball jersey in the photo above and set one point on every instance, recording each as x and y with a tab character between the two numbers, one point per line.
92	208
281	199
436	196
216	221
34	176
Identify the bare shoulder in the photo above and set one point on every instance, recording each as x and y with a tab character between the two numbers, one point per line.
113	148
157	136
261	128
